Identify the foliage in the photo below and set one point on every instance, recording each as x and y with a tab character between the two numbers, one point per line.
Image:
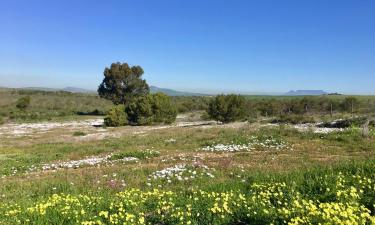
153	108
324	197
122	83
163	109
116	116
294	119
143	154
23	102
350	104
79	133
190	103
50	105
227	108
139	111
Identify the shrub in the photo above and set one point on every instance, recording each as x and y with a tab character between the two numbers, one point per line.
116	117
79	133
163	109
23	102
1	120
293	119
143	154
227	108
139	111
154	108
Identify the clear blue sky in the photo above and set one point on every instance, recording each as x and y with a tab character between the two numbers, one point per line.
199	45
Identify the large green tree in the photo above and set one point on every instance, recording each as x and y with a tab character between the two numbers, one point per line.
122	83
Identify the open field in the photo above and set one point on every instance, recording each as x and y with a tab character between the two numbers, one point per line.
190	172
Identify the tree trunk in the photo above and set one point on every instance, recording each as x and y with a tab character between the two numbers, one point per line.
352	109
365	130
331	111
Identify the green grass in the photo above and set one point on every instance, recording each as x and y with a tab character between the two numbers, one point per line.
311	169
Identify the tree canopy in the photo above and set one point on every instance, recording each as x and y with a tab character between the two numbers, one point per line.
123	83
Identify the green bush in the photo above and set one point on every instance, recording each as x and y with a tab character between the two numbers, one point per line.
139	111
293	119
154	108
227	108
143	154
116	117
23	102
1	120
79	133
163	109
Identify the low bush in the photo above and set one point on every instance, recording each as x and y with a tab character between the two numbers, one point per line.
79	133
116	117
144	154
154	108
23	102
227	108
293	119
163	109
140	111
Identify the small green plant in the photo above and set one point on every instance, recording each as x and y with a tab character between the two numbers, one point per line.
293	119
143	154
79	133
23	102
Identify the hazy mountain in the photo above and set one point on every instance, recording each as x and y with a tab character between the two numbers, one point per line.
76	90
172	92
306	92
153	89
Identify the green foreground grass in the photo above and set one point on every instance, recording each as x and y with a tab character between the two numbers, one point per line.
321	178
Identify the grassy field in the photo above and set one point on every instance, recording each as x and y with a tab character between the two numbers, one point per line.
49	105
238	173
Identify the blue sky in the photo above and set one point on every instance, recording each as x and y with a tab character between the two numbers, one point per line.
193	45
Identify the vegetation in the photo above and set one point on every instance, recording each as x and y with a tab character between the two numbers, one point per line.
116	117
50	105
23	102
59	105
122	83
227	108
175	177
153	108
163	109
79	133
139	111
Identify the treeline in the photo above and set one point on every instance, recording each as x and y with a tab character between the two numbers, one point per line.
228	108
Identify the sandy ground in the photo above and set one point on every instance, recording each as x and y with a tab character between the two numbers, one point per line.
92	128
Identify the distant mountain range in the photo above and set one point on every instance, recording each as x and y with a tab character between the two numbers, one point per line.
153	89
306	92
171	92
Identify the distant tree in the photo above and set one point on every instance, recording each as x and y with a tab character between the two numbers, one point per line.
23	102
122	83
227	108
350	104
